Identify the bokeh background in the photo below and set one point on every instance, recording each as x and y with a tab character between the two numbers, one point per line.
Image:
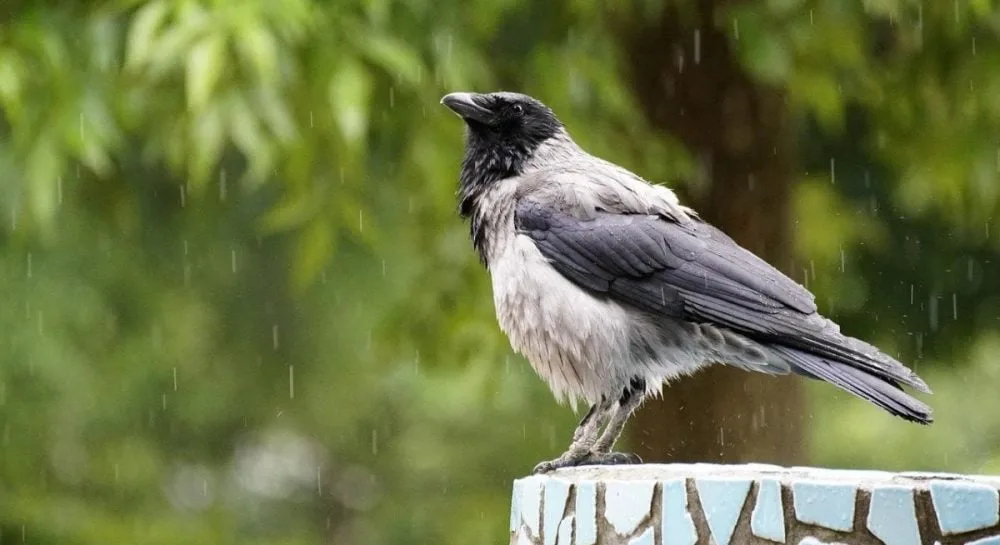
237	304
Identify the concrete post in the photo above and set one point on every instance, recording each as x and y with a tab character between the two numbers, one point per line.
752	504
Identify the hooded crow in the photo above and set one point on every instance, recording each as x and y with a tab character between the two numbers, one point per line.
610	287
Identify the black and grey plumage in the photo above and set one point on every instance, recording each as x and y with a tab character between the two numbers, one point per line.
610	287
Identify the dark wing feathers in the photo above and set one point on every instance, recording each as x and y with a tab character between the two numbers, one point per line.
695	272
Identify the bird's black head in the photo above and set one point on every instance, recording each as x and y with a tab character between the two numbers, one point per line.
504	130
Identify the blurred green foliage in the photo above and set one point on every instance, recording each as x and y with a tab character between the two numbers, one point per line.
239	307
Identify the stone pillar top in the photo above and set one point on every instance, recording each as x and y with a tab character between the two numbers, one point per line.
753	503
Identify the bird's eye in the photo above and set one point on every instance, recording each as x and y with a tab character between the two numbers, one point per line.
518	109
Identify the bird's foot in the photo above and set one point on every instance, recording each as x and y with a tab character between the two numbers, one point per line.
587	458
613	459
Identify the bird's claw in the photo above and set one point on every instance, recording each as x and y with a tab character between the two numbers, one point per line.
587	458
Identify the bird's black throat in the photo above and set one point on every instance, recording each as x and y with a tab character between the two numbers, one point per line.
488	160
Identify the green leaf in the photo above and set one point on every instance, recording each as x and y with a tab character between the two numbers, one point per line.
204	66
313	248
274	111
250	138
259	50
393	56
292	212
207	140
43	167
11	83
142	33
349	95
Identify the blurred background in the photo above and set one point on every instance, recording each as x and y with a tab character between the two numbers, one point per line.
237	304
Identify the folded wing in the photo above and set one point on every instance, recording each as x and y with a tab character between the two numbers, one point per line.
692	271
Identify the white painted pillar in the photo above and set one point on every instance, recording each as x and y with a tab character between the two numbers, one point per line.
752	504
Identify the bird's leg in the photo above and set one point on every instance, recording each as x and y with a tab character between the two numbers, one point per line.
629	401
586	430
584	437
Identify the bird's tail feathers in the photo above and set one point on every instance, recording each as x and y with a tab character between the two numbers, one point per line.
835	347
883	392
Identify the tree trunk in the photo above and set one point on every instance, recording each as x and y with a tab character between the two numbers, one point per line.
689	83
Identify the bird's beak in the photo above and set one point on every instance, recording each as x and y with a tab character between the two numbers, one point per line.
468	106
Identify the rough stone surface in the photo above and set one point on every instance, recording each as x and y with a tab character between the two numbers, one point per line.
706	504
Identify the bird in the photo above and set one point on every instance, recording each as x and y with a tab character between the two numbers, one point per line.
611	288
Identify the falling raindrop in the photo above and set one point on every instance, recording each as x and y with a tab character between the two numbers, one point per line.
969	271
920	25
392	97
175	378
911	293
736	28
833	171
163	401
383	267
933	311
843	260
233	259
374	442
361	221
312	123
954	306
319	481
29	265
291	382
222	185
274	336
59	190
183	196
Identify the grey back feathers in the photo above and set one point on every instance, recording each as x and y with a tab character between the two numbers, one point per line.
601	279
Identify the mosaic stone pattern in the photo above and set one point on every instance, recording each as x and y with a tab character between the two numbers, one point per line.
705	504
